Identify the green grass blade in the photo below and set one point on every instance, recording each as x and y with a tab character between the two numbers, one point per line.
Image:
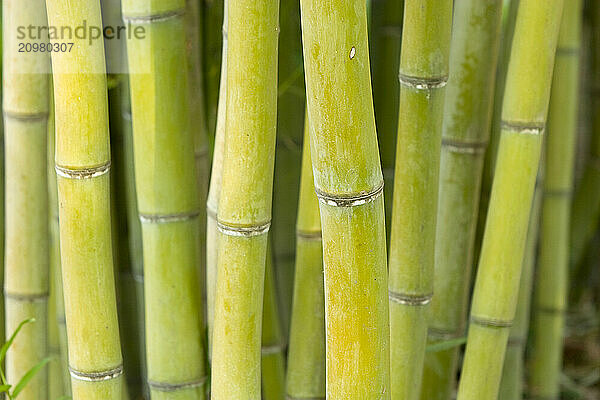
29	376
6	345
446	345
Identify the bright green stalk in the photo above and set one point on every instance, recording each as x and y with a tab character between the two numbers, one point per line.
466	129
553	269
513	372
214	192
244	211
387	29
82	164
272	358
586	202
349	183
423	76
168	200
306	353
26	107
290	118
524	116
56	367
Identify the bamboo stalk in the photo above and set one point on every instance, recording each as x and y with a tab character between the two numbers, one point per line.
58	366
168	200
524	116
586	201
349	184
423	76
387	29
212	68
553	269
244	210
214	192
26	107
272	357
306	354
290	118
513	371
465	133
82	164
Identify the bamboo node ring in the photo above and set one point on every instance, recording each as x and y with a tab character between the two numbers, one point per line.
96	376
168	218
243	231
309	235
173	387
27	297
350	200
442	334
82	173
26	117
272	349
491	322
418	83
524	128
152	18
456	146
410	299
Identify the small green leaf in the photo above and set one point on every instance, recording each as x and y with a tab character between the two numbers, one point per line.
4	388
446	344
29	375
6	345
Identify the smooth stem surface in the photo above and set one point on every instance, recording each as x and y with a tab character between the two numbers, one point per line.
513	372
524	116
423	76
244	211
306	353
349	182
553	268
83	160
214	192
466	128
25	109
168	200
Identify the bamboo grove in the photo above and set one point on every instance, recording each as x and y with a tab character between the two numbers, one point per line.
300	200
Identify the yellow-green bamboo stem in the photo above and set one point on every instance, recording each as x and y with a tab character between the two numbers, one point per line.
244	210
386	22
57	368
423	77
513	372
212	15
306	354
466	128
168	199
523	122
553	269
349	184
26	107
214	192
586	201
290	118
272	357
82	165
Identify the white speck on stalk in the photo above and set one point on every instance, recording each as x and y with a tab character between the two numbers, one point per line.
352	52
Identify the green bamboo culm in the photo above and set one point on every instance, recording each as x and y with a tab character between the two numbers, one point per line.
349	184
272	352
212	36
214	192
168	199
25	109
513	372
82	166
586	201
466	129
244	210
423	76
523	122
551	283
305	377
